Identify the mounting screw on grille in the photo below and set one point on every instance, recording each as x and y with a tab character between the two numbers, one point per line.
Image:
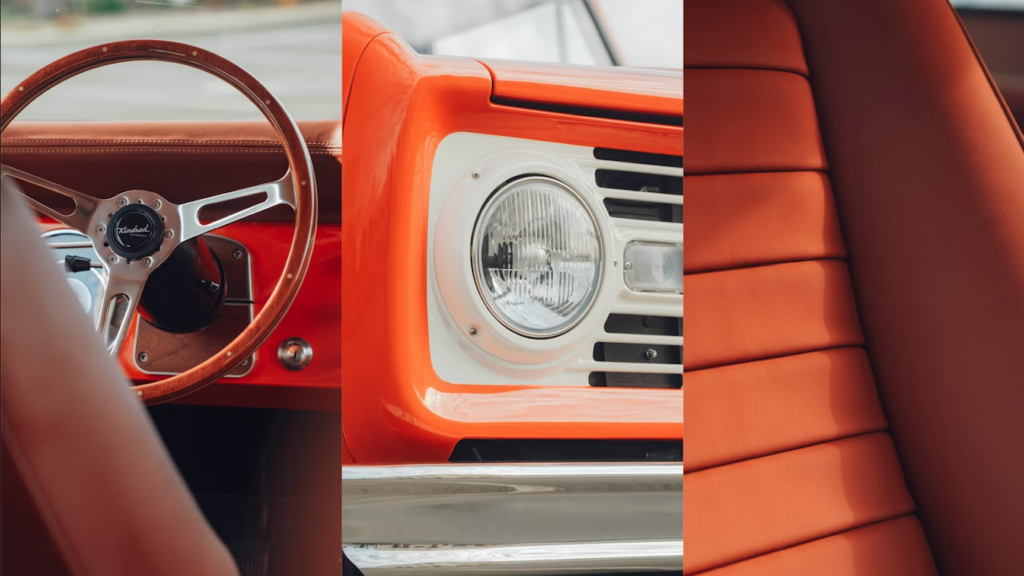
652	353
237	254
143	357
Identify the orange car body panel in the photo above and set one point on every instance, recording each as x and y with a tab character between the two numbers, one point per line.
624	90
396	409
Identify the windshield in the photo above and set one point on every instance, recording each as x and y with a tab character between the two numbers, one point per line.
1017	5
292	46
643	34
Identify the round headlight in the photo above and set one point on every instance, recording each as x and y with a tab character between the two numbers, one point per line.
537	257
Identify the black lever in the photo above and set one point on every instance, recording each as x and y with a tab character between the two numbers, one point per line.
77	263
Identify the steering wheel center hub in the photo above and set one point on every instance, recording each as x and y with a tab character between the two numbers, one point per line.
135	232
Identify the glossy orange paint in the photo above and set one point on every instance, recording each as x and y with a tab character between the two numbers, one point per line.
621	89
396	408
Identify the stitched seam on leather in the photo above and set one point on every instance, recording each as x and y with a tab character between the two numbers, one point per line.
787	355
154	150
112	142
843	347
913	513
885	429
794	449
771	263
750	68
819	169
910	512
768	263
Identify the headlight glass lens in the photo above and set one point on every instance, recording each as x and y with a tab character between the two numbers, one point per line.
537	257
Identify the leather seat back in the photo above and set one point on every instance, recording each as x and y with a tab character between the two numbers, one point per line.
855	290
928	171
77	442
790	468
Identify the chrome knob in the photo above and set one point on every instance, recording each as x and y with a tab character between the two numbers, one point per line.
295	354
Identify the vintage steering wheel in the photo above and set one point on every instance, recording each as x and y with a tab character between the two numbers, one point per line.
157	226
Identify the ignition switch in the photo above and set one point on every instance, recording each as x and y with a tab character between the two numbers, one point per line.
295	354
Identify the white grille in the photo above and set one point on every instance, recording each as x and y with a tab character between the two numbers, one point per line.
469	346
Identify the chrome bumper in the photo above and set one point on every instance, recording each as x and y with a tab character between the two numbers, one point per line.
513	519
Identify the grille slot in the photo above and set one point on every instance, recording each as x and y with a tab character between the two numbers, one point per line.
633	157
634	195
643	193
637	353
648	325
639	181
654	345
634	380
649	211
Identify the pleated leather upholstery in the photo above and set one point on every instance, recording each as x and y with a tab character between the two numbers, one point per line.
789	465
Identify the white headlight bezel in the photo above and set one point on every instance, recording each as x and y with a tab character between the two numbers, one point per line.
501	193
459	191
468	346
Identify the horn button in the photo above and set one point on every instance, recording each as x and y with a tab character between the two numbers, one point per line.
135	232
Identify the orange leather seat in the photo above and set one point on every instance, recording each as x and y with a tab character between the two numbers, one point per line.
88	486
815	281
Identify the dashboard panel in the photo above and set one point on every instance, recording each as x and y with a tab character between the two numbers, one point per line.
189	161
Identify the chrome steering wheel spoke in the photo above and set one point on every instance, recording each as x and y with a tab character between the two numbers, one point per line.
135	232
277	193
132	233
86	207
117	309
140	237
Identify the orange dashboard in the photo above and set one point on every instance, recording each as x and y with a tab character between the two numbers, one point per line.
189	161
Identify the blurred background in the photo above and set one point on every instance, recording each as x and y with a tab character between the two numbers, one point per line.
636	33
292	46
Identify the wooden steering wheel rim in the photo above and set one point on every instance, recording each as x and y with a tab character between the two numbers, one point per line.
301	249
